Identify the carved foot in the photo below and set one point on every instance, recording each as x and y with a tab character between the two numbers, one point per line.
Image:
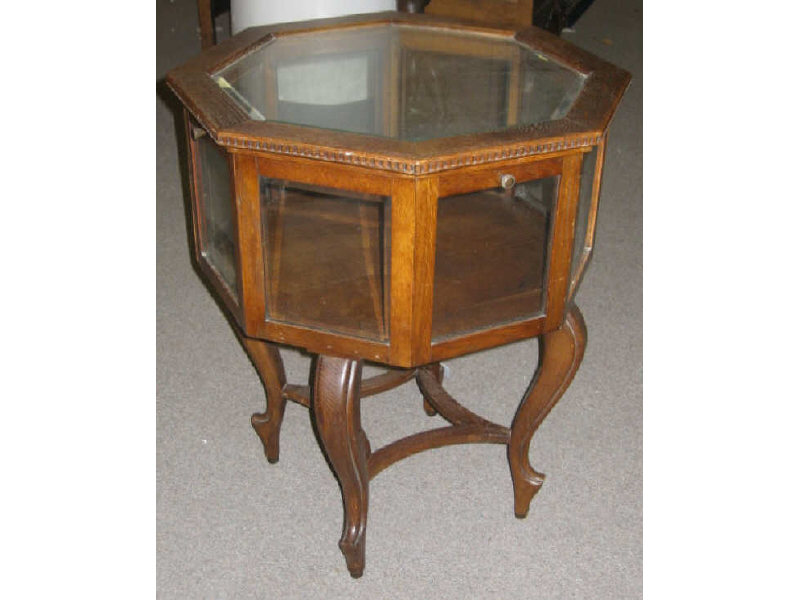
268	431
525	488
336	409
560	355
268	363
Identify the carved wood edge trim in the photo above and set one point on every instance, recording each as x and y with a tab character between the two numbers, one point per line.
435	438
406	166
369	387
210	125
223	136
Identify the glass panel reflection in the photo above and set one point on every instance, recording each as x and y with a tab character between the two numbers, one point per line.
400	81
217	227
582	216
491	256
548	89
326	257
440	101
332	92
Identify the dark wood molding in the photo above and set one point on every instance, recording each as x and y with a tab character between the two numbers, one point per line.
399	157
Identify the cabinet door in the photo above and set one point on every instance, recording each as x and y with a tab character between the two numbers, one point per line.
326	257
492	256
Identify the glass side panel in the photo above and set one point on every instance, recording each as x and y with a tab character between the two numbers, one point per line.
492	250
548	89
326	257
584	209
217	226
400	81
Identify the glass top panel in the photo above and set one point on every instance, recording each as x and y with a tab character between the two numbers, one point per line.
403	82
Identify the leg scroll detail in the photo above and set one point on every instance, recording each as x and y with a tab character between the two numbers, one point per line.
267	360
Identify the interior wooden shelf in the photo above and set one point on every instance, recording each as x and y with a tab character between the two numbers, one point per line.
327	263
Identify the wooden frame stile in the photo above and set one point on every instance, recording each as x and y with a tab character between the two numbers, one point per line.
561	241
425	212
401	334
232	299
249	220
412	259
193	187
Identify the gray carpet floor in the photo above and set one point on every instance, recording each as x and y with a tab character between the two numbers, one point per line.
441	524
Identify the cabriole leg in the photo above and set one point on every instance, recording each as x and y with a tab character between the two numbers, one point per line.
560	355
336	409
268	363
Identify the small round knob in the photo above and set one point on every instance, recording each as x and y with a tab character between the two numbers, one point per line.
507	181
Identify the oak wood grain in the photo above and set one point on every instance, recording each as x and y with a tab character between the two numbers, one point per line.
562	238
336	406
269	365
560	355
369	387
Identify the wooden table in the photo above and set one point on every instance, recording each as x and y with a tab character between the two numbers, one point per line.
399	189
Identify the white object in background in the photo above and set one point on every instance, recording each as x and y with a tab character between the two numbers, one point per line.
445	370
325	81
249	13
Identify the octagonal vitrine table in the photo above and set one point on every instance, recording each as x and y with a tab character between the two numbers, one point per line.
398	189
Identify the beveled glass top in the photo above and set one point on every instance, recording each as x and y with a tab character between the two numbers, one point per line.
400	81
